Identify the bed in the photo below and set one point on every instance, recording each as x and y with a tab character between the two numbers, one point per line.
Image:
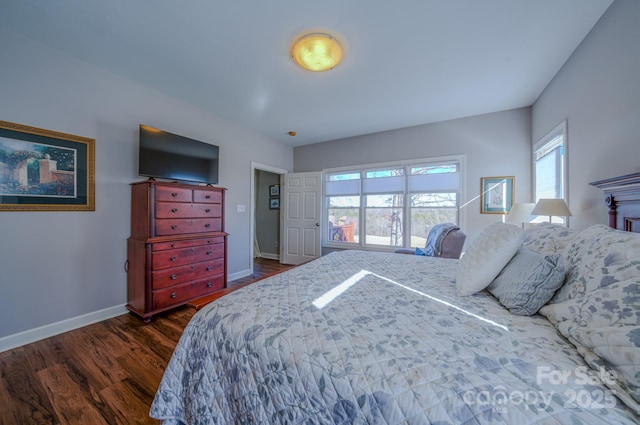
360	337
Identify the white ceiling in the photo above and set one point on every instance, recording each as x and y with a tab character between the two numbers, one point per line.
407	62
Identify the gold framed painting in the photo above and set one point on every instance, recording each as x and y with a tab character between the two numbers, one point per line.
44	170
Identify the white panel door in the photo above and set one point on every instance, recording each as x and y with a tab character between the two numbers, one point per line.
301	204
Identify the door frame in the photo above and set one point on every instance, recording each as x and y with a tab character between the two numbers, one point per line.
252	230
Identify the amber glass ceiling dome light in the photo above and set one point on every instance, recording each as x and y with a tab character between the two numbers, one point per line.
317	52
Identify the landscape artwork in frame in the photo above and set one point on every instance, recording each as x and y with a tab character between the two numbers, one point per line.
274	203
44	170
496	194
274	190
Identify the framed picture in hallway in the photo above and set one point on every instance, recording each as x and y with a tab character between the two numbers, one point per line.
44	170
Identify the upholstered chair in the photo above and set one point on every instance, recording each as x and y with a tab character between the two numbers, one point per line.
445	240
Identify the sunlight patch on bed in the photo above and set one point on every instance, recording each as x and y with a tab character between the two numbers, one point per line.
336	291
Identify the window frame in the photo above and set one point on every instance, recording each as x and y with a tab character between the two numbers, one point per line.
558	131
460	160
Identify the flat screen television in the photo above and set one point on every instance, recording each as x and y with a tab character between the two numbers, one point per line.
169	156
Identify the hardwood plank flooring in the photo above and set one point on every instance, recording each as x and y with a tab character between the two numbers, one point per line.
105	373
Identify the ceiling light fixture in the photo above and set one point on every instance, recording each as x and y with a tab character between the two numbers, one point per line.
317	52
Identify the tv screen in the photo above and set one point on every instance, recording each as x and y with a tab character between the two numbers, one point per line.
169	156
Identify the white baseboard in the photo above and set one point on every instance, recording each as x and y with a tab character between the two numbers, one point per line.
32	335
239	275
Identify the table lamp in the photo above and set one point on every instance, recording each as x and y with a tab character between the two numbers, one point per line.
520	213
551	207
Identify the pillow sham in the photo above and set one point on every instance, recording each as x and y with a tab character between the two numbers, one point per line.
548	238
598	307
528	281
604	326
489	252
598	257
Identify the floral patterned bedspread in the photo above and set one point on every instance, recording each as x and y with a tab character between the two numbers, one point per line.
376	338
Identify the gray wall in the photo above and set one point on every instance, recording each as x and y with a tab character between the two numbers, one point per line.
60	265
496	144
267	220
598	92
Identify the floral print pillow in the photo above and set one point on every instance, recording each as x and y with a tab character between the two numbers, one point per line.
598	308
598	257
548	238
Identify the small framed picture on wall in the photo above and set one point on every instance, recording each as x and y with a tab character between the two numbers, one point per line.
274	203
274	190
496	194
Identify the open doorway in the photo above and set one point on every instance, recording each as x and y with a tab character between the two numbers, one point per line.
265	212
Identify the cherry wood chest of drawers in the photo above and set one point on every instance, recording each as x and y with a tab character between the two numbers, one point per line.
178	247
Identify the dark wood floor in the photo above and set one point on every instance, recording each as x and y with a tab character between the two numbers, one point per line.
105	373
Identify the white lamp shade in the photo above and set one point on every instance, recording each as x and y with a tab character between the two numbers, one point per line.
520	213
551	207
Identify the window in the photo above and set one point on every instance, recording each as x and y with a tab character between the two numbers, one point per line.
391	205
550	166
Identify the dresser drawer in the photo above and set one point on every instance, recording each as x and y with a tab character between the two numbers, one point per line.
170	227
178	294
178	257
162	246
207	196
184	210
177	275
173	194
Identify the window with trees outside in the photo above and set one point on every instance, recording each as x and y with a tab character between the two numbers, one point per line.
391	205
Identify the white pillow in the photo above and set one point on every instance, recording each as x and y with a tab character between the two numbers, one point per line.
489	252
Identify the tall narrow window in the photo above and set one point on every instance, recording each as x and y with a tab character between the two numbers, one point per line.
550	165
383	191
434	192
342	191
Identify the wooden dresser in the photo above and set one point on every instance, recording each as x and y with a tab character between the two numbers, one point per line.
177	250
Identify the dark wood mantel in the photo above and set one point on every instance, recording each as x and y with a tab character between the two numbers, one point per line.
622	196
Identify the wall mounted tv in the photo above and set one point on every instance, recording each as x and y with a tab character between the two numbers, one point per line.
169	156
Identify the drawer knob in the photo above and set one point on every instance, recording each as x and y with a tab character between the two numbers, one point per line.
173	258
174	194
174	227
209	252
209	285
207	225
173	295
209	268
207	196
207	210
174	276
174	210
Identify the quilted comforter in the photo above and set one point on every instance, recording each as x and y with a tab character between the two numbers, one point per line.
376	338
